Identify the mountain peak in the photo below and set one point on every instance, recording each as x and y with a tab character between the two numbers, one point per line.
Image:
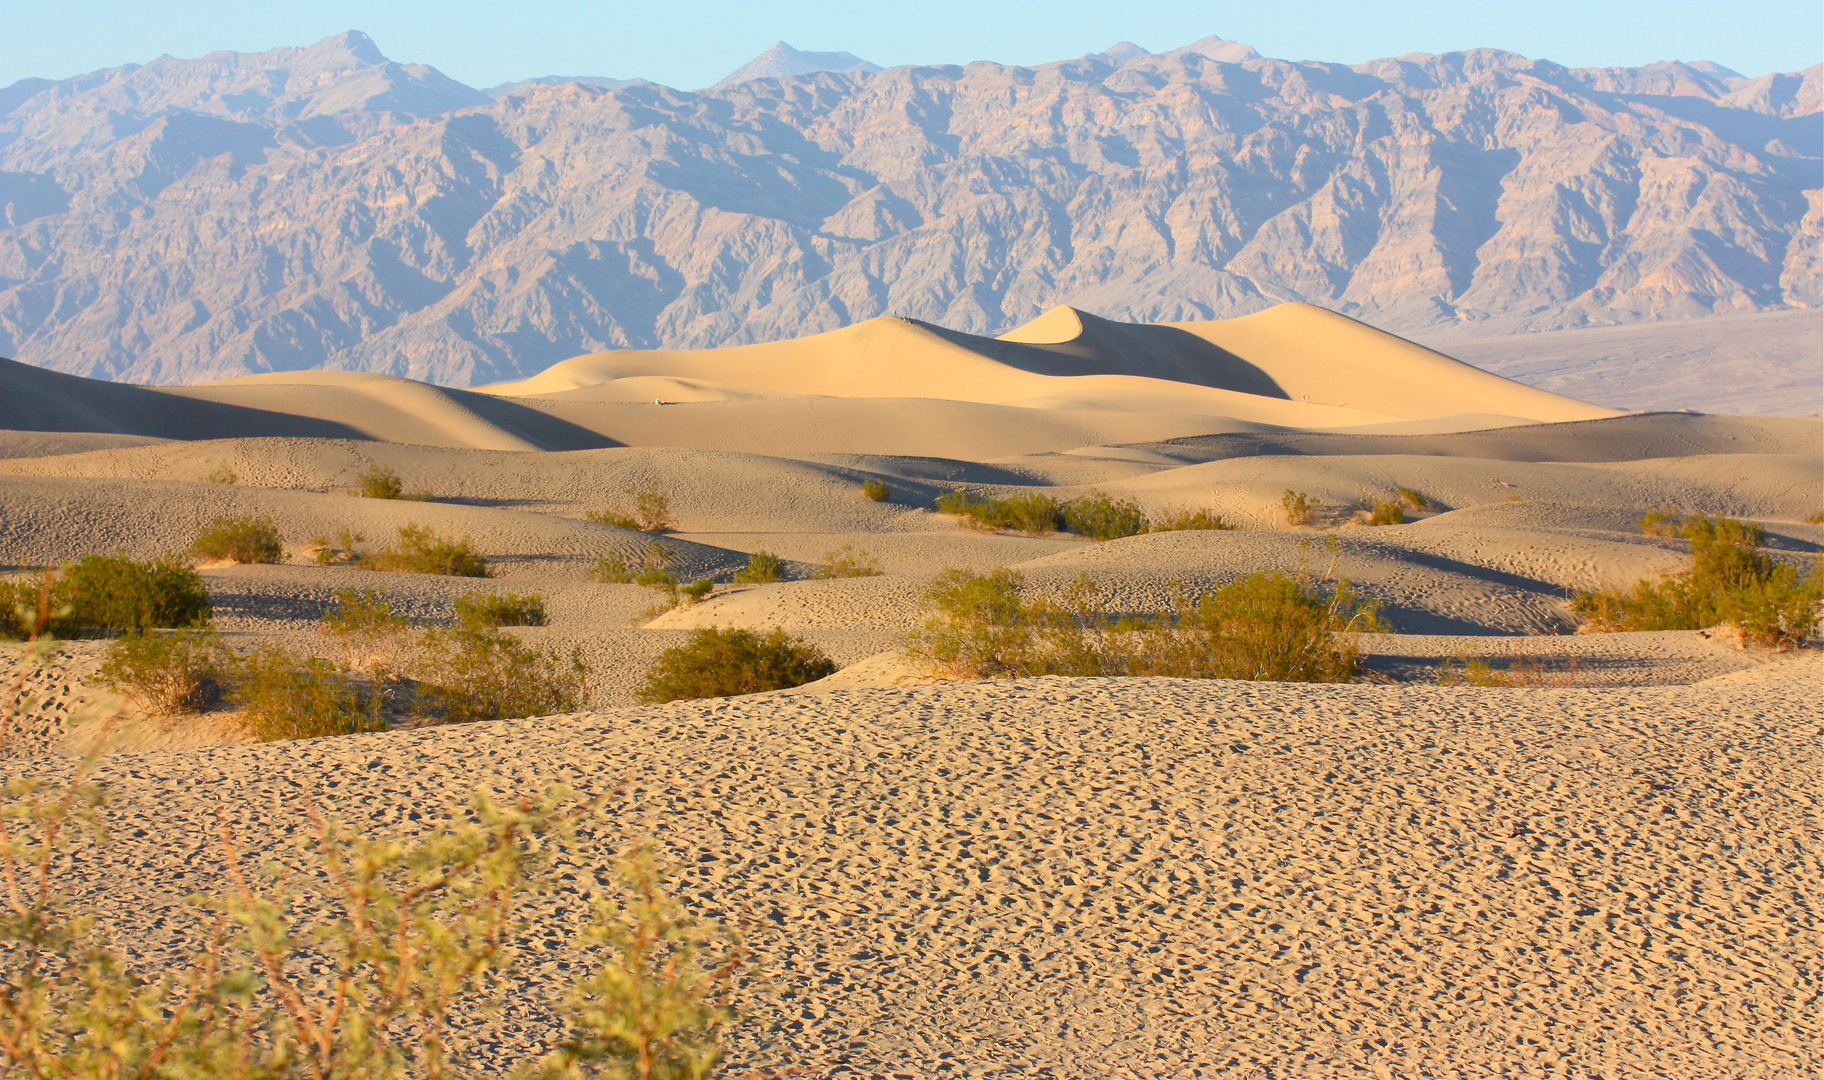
780	60
349	44
1220	49
1121	50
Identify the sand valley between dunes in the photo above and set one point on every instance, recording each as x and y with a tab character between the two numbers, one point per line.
1610	870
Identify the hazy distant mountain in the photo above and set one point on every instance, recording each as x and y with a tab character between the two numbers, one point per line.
502	90
781	60
326	207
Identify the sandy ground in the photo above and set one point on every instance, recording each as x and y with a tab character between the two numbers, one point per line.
1605	870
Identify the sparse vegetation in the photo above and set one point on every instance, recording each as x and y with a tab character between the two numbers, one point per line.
762	568
1412	498
468	675
1730	581
1099	517
1034	515
651	511
222	475
482	611
290	697
370	631
1298	507
379	482
421	551
1185	520
245	539
345	548
1460	671
1385	513
107	594
847	561
697	591
1666	524
613	517
1267	626
168	674
876	490
725	663
1815	519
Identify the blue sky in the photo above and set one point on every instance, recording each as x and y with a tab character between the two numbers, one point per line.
692	43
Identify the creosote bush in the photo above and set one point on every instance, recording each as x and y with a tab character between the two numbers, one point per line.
651	511
469	675
1099	517
379	482
222	475
371	633
1412	498
762	568
345	548
1667	524
421	551
1034	515
245	539
290	697
481	611
1815	519
1186	520
108	594
876	490
697	591
170	673
848	561
724	663
1730	581
1267	626
1298	506
1385	513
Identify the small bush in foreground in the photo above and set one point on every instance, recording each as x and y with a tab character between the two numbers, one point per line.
1385	513
762	568
1268	626
846	562
1298	507
876	490
371	633
481	611
240	539
470	675
421	551
1184	520
107	594
379	482
1099	517
287	697
1730	581
169	674
724	663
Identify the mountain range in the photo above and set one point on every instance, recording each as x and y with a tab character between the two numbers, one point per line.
327	207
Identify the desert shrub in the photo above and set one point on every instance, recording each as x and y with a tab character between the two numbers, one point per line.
246	539
345	548
1033	514
613	517
1298	506
379	482
480	611
168	674
1099	517
468	675
724	663
1385	513
612	569
26	608
1183	520
876	490
651	510
1662	523
1815	519
1460	671
762	567
289	697
1730	581
697	590
1268	626
421	551
369	630
222	475
112	593
1412	498
846	562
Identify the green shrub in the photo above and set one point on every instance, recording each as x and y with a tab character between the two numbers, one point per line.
379	482
876	490
369	630
697	590
345	548
1268	626
1412	498
611	517
222	475
1730	581
1099	517
421	551
651	511
469	675
1183	520
240	539
288	697
1299	507
1667	524
112	593
724	663
847	562
1461	671
481	611
1034	515
1815	519
1386	513
762	567
168	674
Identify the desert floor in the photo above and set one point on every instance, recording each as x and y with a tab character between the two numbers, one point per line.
1609	870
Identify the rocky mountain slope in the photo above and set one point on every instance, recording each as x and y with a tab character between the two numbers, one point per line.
325	207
